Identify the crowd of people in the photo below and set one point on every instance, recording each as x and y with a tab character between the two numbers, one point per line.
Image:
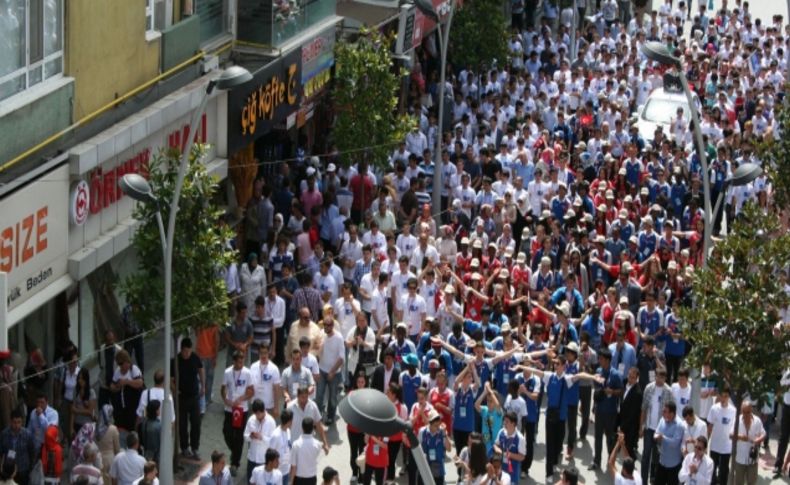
547	288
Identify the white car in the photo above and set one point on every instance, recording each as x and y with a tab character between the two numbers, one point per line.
659	110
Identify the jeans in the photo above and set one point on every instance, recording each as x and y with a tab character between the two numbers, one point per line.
585	399
573	411
529	436
189	415
667	476
370	472
332	385
234	438
673	366
555	432
356	444
208	367
783	436
649	455
605	425
286	479
721	468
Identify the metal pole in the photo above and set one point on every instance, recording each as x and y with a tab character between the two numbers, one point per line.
574	23
703	157
166	448
4	311
444	40
418	455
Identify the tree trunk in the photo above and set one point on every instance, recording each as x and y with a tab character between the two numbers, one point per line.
739	398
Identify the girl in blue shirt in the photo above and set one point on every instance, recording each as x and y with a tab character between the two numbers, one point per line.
466	385
491	416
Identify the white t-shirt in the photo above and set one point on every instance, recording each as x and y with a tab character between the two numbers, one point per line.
264	380
654	416
723	421
154	394
413	310
518	406
281	441
262	477
304	456
682	396
619	479
236	383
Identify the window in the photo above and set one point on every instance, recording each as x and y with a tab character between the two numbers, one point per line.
150	10
31	43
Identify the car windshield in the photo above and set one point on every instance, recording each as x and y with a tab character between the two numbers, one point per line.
658	110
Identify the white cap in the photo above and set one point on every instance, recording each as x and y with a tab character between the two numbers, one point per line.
331	168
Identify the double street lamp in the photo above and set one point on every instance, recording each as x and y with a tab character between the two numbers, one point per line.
138	188
746	173
371	411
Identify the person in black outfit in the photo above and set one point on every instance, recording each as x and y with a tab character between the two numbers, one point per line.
630	411
191	377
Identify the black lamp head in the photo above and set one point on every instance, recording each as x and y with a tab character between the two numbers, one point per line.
745	173
137	187
371	411
659	52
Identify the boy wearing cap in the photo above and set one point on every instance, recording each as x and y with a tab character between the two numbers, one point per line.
436	442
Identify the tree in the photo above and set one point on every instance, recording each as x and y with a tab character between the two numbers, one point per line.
199	250
366	99
479	34
777	155
732	323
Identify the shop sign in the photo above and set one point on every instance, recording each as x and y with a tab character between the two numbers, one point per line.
318	56
102	182
79	203
315	84
255	107
34	235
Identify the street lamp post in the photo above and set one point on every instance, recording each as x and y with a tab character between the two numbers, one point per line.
658	52
426	7
371	411
139	189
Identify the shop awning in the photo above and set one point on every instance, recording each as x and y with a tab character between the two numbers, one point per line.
366	13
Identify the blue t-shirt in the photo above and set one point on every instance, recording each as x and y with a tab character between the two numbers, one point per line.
512	444
492	423
433	445
612	380
464	412
556	394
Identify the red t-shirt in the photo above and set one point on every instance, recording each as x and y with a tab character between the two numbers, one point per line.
362	188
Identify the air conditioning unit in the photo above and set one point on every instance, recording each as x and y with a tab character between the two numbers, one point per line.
210	63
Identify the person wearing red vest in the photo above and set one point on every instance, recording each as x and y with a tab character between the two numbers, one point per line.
376	460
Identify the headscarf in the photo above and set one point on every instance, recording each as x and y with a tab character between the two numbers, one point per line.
105	420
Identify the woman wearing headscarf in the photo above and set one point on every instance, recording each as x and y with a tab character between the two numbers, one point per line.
253	280
107	438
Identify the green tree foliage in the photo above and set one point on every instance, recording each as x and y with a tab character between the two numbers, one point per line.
365	94
736	302
479	34
199	296
777	154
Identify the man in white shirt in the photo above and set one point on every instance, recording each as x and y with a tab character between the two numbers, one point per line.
127	466
694	428
721	421
258	433
331	357
274	310
750	436
237	390
266	381
304	456
412	310
697	468
156	393
281	442
785	426
303	408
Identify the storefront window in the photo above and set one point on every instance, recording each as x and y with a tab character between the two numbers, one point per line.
276	23
294	16
212	18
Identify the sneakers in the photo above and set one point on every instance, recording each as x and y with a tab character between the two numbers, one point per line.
186	453
195	455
